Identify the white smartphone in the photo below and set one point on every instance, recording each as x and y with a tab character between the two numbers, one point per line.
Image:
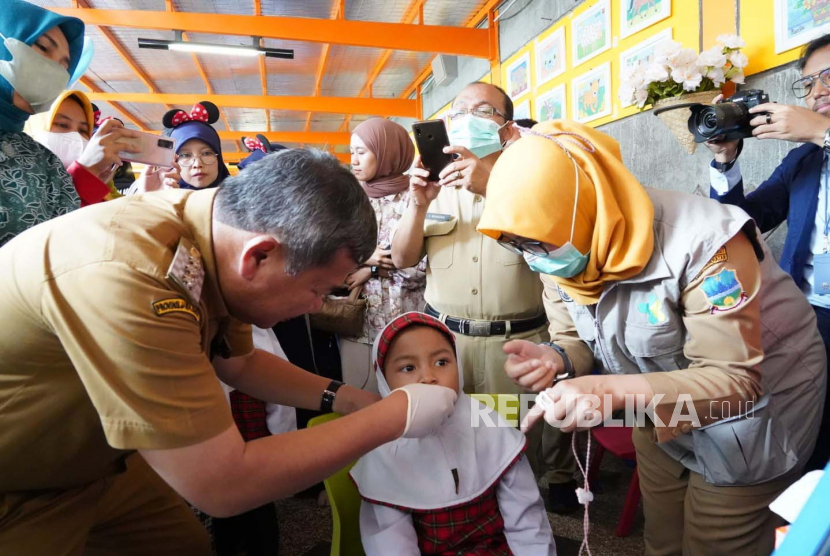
155	150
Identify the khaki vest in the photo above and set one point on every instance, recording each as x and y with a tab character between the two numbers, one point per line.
780	433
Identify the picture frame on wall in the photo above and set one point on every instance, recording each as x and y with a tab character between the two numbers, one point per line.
797	22
550	57
591	94
636	15
518	77
551	104
521	111
591	32
642	54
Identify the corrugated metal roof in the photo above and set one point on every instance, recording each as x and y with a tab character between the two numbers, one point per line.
346	71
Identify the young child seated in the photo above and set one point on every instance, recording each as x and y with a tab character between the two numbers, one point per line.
463	489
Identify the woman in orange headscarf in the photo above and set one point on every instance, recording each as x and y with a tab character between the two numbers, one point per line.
673	298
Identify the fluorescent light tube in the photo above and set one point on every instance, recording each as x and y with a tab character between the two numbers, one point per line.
215	49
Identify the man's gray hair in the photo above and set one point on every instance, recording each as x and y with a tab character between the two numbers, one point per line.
306	200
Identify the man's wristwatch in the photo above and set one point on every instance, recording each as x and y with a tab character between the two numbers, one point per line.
374	270
327	401
569	367
726	166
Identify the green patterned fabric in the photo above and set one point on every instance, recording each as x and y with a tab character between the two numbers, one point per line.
34	186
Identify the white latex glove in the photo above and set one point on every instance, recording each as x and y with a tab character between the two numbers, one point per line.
429	407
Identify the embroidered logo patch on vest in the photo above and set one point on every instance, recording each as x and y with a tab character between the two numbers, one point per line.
723	291
175	305
565	297
655	310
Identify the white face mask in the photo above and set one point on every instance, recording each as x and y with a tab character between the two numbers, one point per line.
37	79
66	146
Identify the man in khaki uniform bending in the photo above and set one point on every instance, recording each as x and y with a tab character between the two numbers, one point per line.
110	317
485	294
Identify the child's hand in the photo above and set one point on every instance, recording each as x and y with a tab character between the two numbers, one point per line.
428	406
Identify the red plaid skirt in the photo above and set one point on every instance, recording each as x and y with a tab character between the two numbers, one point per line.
249	415
472	529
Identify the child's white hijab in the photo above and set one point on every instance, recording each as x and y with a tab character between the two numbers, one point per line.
417	473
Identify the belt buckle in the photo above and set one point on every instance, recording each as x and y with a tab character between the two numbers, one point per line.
478	328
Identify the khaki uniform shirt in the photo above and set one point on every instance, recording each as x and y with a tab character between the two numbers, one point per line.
469	275
707	320
100	352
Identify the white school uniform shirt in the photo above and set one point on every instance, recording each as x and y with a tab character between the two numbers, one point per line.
409	473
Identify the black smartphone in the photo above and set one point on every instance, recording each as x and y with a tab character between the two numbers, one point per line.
431	138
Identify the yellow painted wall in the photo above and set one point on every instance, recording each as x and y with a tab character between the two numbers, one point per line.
685	24
757	27
758	30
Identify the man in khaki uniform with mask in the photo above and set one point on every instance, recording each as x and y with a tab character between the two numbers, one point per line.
117	321
484	293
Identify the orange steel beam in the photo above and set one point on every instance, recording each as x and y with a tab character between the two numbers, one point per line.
414	11
472	22
262	71
337	105
123	52
339	13
233	158
203	74
462	41
313	137
95	89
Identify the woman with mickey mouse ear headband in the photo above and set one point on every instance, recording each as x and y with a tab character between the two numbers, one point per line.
198	147
259	146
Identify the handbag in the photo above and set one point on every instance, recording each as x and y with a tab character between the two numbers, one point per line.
341	315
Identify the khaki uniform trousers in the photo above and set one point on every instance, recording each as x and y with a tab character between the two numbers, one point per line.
482	358
133	513
687	516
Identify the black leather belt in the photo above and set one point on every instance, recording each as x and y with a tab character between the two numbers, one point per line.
488	328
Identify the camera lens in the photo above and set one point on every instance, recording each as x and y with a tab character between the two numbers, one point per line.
710	121
704	122
165	144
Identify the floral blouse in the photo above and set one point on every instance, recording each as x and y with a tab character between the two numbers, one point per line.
403	290
34	187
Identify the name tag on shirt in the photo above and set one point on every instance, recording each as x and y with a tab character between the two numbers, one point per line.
821	274
438	217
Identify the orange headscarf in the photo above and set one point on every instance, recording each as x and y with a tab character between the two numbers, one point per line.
531	193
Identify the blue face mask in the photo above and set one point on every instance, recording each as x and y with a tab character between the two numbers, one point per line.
565	262
479	135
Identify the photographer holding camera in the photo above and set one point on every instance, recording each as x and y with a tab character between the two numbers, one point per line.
796	192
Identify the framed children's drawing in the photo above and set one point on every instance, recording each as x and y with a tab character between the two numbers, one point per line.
592	94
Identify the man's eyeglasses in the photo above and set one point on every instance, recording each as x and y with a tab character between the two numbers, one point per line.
208	158
535	248
483	111
804	86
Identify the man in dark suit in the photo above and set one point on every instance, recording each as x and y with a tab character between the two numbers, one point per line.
796	192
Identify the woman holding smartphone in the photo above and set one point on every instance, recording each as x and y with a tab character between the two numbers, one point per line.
41	54
381	152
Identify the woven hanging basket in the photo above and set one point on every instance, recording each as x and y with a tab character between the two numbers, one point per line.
678	120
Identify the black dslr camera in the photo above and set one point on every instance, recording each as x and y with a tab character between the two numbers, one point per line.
728	120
